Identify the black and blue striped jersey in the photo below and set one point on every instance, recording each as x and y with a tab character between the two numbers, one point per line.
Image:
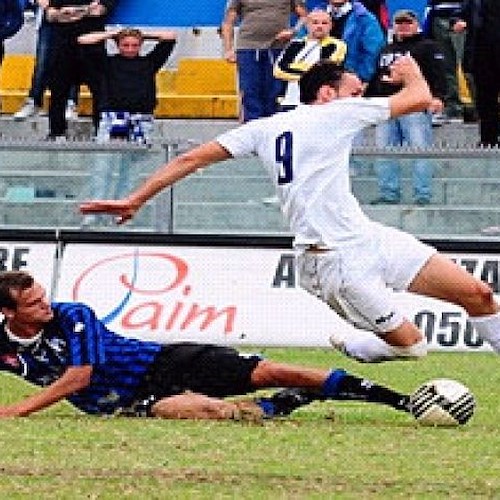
76	337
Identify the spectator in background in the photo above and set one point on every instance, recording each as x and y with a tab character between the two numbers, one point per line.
264	31
300	54
39	81
414	129
128	95
128	100
360	30
481	19
438	28
379	9
73	64
11	21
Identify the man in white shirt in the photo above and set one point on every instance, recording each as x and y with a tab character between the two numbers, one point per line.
345	259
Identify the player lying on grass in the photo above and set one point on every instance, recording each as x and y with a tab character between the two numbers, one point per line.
66	350
353	264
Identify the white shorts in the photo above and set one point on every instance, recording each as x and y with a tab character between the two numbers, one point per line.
358	281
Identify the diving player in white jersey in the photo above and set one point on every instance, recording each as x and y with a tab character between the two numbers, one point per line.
351	263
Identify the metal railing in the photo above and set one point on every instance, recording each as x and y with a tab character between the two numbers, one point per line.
42	183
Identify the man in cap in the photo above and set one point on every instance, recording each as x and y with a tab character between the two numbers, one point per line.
413	129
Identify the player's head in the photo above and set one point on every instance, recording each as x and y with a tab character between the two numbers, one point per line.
22	299
319	24
129	41
326	81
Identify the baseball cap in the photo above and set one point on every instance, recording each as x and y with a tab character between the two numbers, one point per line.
405	14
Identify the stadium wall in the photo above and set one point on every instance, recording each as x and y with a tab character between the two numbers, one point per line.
228	290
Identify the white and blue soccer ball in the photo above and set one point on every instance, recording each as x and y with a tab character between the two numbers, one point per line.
442	402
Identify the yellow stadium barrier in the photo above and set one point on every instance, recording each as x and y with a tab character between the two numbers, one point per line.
198	88
15	81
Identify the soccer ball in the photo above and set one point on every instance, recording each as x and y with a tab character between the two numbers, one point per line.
442	402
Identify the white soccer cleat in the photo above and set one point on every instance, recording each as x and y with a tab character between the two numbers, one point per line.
337	341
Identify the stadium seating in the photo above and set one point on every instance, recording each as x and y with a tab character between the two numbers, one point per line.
15	81
198	88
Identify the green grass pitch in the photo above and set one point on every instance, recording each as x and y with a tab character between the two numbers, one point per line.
327	450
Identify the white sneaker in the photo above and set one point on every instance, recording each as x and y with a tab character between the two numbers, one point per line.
28	109
71	112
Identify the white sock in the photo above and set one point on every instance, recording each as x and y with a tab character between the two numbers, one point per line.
488	328
370	348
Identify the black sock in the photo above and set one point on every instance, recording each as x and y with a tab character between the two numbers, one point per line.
359	389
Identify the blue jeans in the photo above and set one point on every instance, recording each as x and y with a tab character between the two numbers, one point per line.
414	130
39	81
258	88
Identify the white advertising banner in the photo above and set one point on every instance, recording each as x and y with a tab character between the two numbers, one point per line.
36	258
232	296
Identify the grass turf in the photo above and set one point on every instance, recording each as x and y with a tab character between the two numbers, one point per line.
334	449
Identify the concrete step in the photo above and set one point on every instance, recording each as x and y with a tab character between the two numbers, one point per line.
201	130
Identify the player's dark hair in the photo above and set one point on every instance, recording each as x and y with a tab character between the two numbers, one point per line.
13	280
322	73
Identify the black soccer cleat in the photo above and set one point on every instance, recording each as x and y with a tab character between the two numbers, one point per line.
285	401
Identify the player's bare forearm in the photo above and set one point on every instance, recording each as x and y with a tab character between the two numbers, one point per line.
74	379
165	176
177	169
415	94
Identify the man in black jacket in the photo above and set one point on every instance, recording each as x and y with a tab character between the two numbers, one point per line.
415	129
481	19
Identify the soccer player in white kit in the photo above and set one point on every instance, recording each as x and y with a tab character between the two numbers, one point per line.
350	262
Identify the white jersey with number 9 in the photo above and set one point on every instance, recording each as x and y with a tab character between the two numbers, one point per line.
306	152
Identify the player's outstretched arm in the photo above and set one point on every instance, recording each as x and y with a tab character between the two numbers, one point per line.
415	94
166	175
74	379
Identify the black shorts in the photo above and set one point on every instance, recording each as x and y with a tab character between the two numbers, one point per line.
203	368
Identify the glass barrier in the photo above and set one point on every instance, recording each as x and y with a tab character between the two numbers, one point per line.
41	185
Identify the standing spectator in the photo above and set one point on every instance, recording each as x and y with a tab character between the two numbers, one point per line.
414	129
128	100
39	81
301	54
360	30
71	63
11	20
481	18
439	29
264	31
379	9
128	95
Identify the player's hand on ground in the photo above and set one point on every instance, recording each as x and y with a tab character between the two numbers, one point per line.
123	210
